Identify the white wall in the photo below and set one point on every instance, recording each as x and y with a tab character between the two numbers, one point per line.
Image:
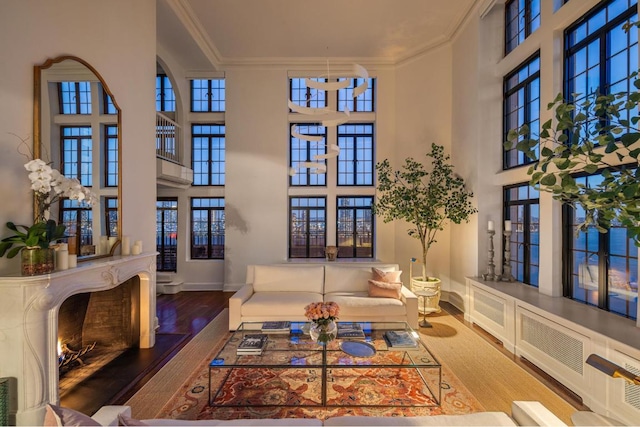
423	116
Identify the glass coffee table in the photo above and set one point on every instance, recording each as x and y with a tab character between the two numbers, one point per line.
293	370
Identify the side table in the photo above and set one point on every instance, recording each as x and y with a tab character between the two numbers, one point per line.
426	294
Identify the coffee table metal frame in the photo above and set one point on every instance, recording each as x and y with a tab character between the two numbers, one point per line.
296	350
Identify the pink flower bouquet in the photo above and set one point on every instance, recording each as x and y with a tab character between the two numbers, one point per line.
322	312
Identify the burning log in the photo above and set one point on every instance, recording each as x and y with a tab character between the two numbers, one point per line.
68	358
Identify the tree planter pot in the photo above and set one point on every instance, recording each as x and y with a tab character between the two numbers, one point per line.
36	261
427	305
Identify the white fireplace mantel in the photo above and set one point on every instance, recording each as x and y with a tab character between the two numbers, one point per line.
29	323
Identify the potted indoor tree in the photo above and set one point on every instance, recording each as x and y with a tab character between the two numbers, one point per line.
427	199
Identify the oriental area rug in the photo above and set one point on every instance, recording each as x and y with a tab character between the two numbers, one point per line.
301	388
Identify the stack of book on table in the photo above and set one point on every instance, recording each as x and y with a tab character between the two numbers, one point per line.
400	339
350	330
276	327
252	344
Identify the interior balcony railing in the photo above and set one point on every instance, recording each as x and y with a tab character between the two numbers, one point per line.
168	139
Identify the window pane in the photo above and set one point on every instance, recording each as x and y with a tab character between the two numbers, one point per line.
354	227
208	154
355	161
522	106
207	228
307	227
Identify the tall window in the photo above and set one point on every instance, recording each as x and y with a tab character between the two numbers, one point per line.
522	106
107	104
365	102
111	155
208	154
307	227
74	97
165	97
77	153
167	234
355	161
522	17
111	215
207	228
355	227
599	54
522	208
301	94
305	151
208	95
77	218
601	269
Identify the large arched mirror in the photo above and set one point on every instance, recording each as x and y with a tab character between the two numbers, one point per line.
77	127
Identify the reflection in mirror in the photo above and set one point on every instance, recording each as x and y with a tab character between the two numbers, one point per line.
77	128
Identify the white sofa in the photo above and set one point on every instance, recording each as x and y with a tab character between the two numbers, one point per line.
523	413
281	291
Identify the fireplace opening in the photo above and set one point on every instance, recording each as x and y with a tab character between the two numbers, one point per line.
93	329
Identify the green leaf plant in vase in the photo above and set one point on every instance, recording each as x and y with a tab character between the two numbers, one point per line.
34	242
323	317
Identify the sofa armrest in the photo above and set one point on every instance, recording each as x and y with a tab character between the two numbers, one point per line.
410	301
108	415
526	413
235	305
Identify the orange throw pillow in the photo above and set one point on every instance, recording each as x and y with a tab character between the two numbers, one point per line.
386	276
379	289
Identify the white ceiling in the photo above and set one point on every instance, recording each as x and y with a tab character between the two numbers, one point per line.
208	34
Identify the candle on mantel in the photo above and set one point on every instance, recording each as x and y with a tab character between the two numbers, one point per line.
507	225
126	246
136	249
490	226
73	260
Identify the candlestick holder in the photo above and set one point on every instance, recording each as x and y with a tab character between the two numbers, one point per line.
491	267
506	262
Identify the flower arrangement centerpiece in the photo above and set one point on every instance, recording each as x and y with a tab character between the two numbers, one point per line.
323	317
34	241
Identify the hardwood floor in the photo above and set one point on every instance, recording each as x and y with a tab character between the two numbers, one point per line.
181	317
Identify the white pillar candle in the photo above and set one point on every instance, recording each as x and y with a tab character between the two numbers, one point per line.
490	226
112	241
507	225
73	260
126	245
136	250
139	243
62	257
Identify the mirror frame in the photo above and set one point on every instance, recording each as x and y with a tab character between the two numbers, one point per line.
37	136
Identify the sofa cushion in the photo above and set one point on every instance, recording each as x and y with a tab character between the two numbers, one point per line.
59	416
384	289
478	419
361	305
350	279
279	303
273	278
240	422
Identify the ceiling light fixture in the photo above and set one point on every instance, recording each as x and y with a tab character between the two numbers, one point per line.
326	116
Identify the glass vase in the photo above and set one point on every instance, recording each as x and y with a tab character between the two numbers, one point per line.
323	332
37	261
